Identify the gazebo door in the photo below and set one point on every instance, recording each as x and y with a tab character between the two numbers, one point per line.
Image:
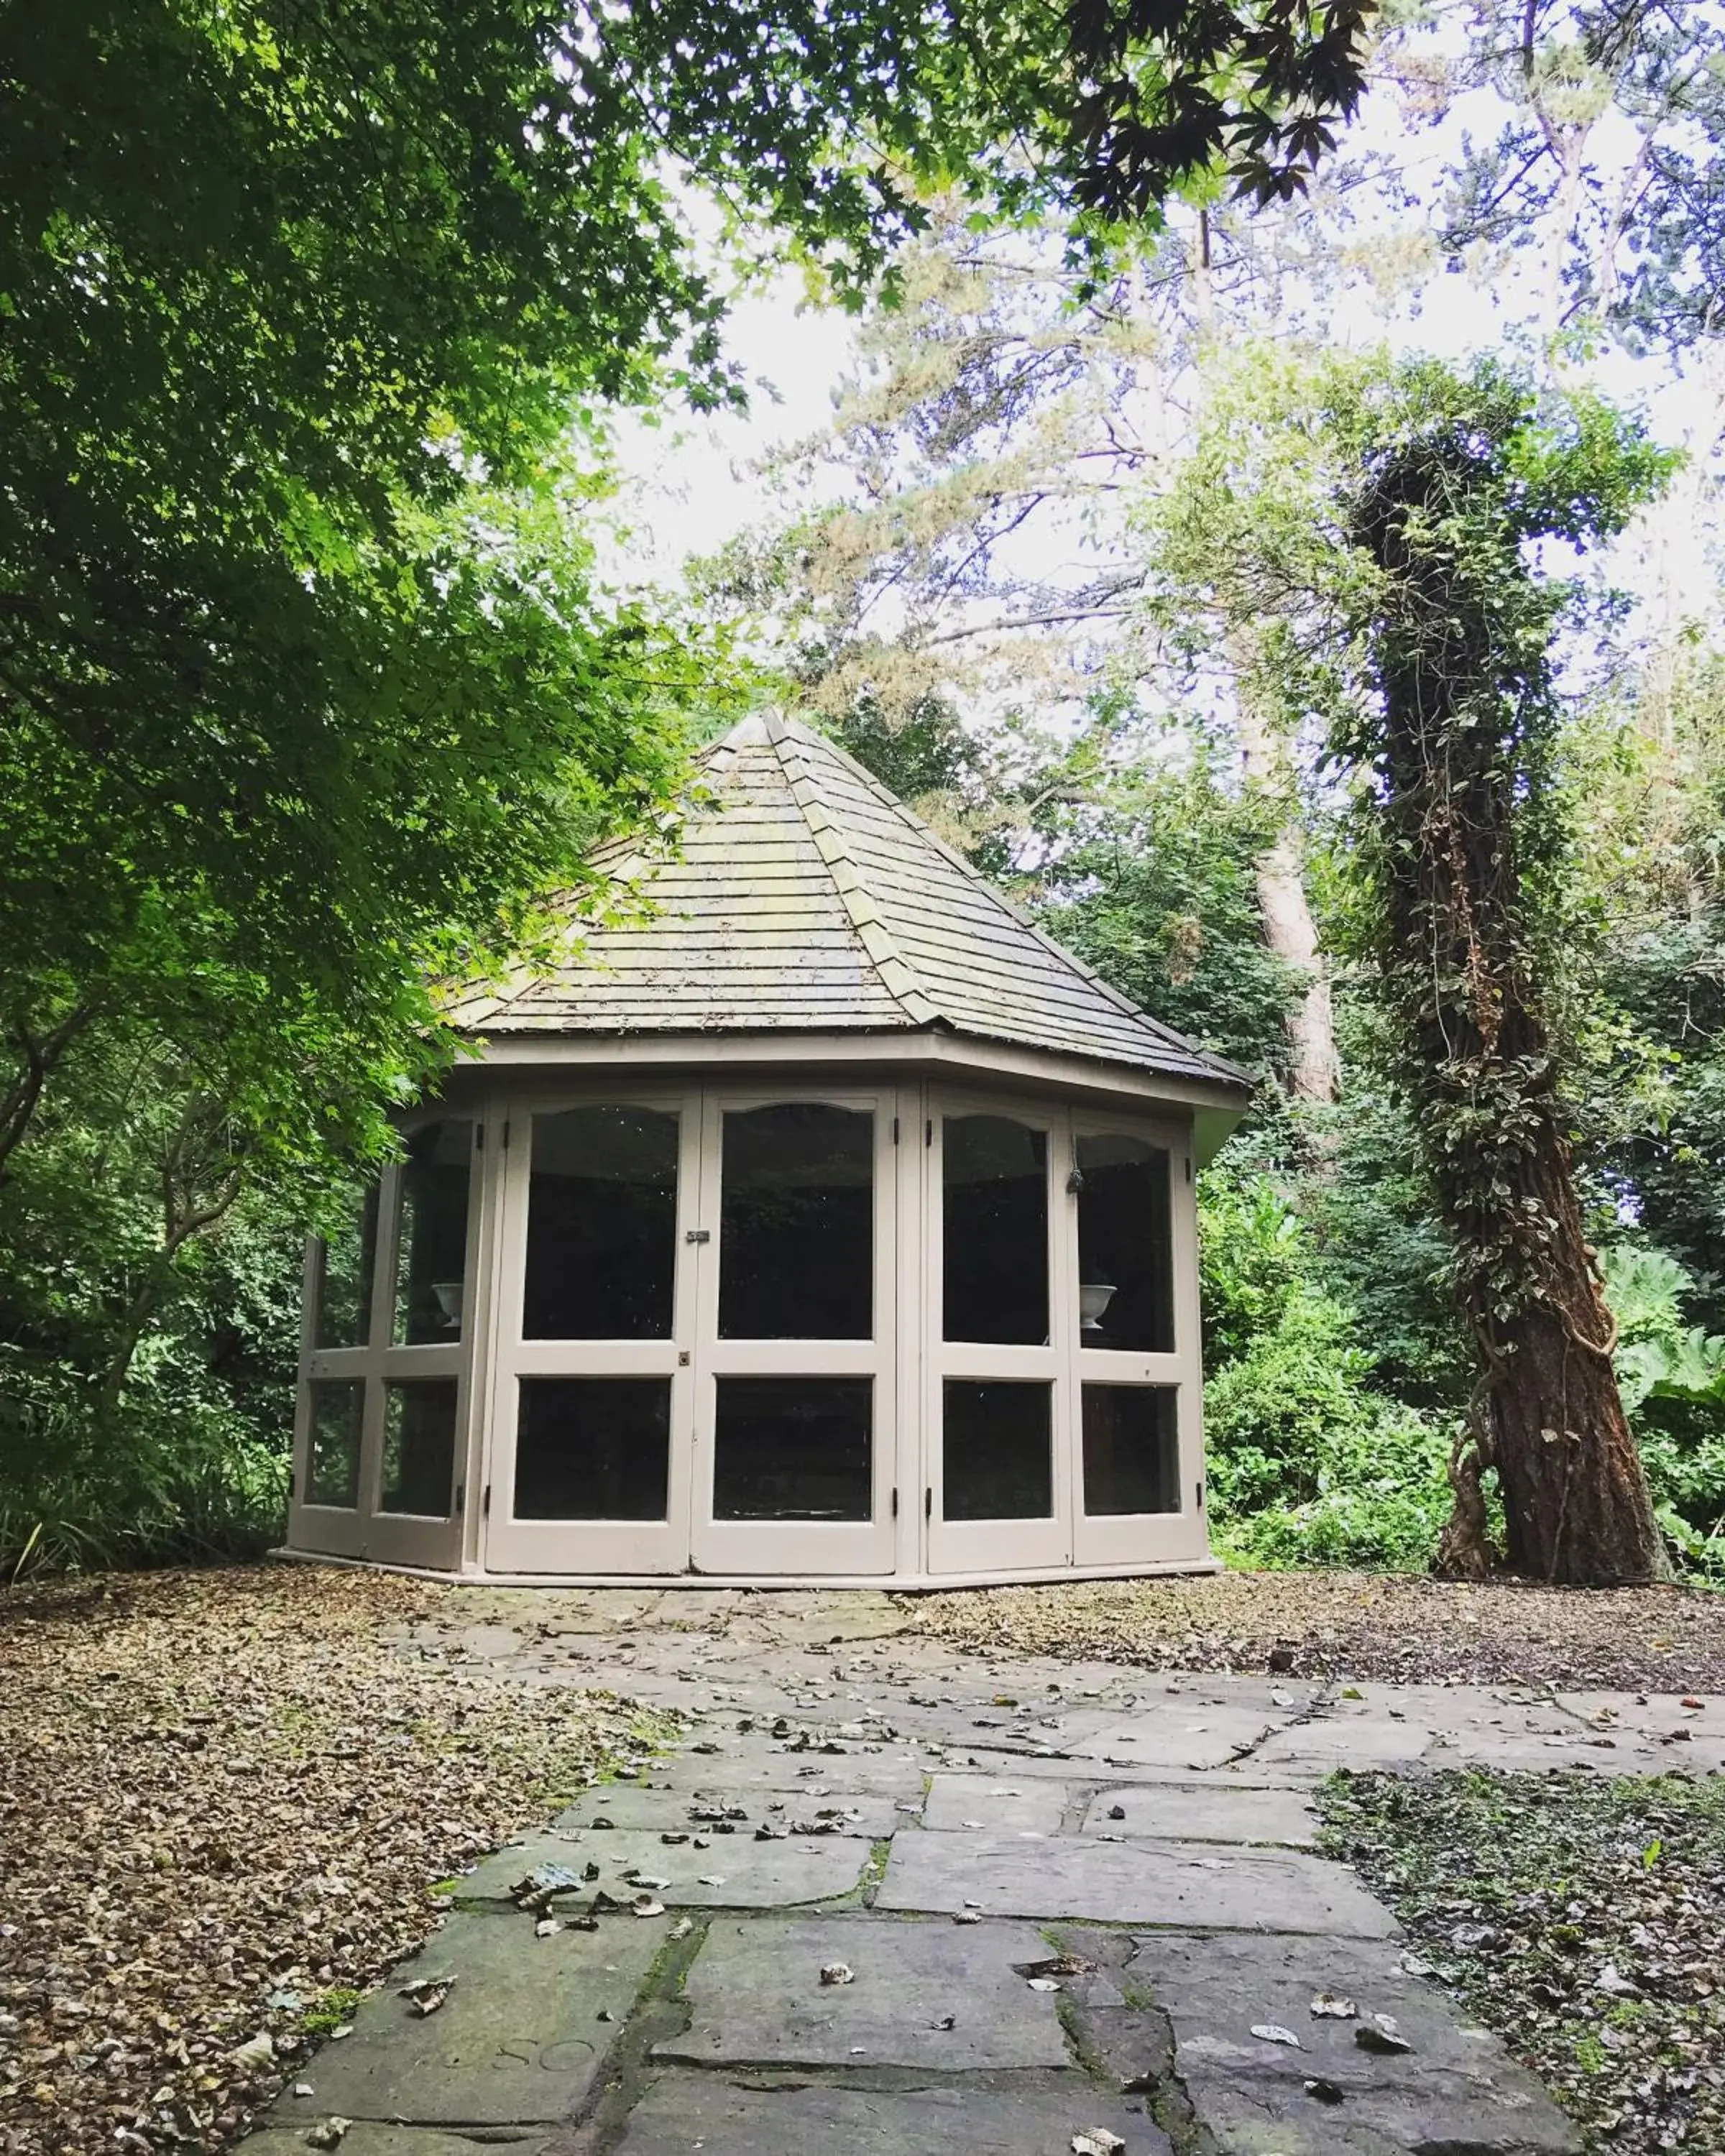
794	1373
1138	1461
590	1460
999	1497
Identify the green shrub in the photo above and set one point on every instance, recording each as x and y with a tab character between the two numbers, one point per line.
1381	1498
186	1459
1254	1259
1308	1463
1672	1376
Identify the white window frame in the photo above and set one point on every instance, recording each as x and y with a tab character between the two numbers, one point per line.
1146	1537
968	1546
791	1547
1071	1539
363	1530
590	1547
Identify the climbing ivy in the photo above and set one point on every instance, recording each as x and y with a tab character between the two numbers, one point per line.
1415	539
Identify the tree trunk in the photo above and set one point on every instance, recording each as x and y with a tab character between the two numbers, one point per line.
1462	775
1575	1497
1314	1069
1576	1503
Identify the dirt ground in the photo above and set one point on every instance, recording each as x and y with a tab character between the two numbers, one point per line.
1390	1627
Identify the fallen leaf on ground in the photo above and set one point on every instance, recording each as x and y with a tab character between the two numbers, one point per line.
228	1786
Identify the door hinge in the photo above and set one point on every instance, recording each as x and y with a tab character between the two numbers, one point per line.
895	1504
928	1132
1188	1167
928	1504
1200	1497
505	1137
895	1130
479	1138
460	1496
485	1503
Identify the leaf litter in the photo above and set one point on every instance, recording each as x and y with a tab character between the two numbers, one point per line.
1398	1628
231	1802
1583	1920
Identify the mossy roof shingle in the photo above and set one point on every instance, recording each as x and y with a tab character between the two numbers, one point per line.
807	898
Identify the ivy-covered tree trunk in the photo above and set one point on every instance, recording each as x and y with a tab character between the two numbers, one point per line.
1458	651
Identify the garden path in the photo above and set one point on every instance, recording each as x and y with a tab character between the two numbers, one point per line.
903	1899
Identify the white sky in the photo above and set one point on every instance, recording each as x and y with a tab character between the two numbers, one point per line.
689	487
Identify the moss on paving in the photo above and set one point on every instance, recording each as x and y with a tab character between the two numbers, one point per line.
1583	1921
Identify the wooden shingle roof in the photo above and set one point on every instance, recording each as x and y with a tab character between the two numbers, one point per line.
808	898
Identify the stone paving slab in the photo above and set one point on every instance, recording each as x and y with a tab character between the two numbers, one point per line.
1212	1778
363	2138
1003	1765
1114	1774
995	1804
1319	1747
1208	1738
998	2115
1457	2091
755	1993
518	2042
1150	1882
630	1806
737	1872
891	1772
1662	1735
1174	1811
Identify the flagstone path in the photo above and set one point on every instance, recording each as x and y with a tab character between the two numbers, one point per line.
910	1902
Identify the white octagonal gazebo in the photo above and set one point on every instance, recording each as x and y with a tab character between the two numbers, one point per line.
828	1223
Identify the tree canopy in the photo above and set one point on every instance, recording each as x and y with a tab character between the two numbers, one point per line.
300	301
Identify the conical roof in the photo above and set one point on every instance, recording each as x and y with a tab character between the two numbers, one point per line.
808	898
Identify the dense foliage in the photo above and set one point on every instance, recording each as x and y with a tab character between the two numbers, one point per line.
311	688
308	692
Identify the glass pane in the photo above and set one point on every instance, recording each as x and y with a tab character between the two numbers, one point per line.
1131	1449
338	1411
995	1172
1126	1265
602	1226
997	1449
419	1447
431	1249
592	1449
797	1224
793	1449
346	1258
